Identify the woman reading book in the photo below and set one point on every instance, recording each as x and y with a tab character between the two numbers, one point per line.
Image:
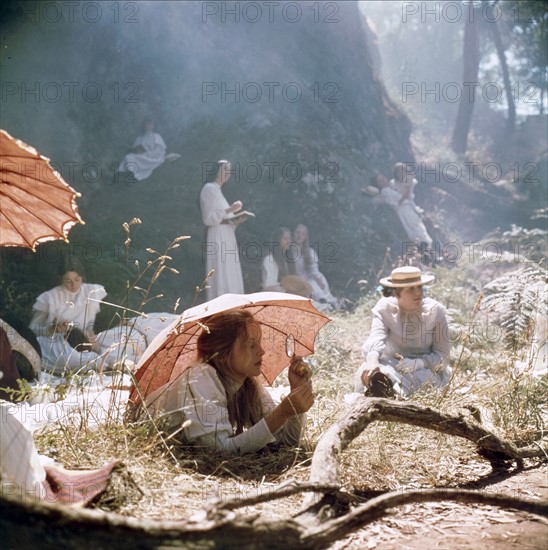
221	248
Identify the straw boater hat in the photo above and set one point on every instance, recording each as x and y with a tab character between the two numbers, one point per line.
406	276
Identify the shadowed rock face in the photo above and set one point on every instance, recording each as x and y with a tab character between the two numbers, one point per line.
292	99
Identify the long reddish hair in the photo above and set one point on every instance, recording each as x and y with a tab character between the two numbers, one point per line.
215	346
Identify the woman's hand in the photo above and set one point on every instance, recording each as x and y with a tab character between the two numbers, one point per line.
369	371
372	366
299	372
297	402
300	399
94	341
61	327
238	221
234	207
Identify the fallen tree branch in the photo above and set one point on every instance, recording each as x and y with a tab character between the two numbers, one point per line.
376	508
52	526
325	462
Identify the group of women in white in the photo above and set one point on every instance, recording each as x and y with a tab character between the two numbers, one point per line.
291	264
219	402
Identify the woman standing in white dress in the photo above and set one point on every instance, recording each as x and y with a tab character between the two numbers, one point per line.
221	248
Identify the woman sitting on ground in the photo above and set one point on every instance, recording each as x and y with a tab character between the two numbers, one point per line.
148	152
220	395
63	322
409	343
306	266
278	268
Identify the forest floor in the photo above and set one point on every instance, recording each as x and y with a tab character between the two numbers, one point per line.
388	456
450	526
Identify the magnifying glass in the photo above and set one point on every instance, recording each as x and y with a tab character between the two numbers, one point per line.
290	352
290	345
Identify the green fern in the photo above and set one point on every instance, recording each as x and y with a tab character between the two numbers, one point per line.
519	297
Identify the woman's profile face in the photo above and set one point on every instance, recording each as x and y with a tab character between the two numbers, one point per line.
410	298
224	172
247	353
72	281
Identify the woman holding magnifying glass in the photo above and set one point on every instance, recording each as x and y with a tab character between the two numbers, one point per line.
219	402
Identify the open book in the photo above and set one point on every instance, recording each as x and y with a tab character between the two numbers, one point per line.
241	216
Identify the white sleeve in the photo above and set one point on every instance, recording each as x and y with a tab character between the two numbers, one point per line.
212	212
95	294
391	197
269	275
43	315
376	341
314	269
159	145
441	344
290	433
40	322
201	398
19	461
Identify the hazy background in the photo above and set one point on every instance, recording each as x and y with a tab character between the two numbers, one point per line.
307	101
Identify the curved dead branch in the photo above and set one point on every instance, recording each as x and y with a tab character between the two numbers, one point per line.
220	526
376	508
53	526
325	462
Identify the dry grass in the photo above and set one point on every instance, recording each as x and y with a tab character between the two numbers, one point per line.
387	456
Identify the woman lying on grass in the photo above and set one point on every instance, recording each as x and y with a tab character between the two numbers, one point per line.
220	404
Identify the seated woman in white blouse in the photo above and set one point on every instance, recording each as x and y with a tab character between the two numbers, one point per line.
306	266
278	270
220	404
148	152
409	343
63	321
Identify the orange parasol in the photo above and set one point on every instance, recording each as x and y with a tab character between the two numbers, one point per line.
278	314
36	204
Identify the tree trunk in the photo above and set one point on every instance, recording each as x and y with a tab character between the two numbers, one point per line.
471	59
511	122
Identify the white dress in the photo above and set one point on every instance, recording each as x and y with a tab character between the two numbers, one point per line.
422	334
141	165
313	275
81	309
221	249
198	396
21	473
270	275
408	214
